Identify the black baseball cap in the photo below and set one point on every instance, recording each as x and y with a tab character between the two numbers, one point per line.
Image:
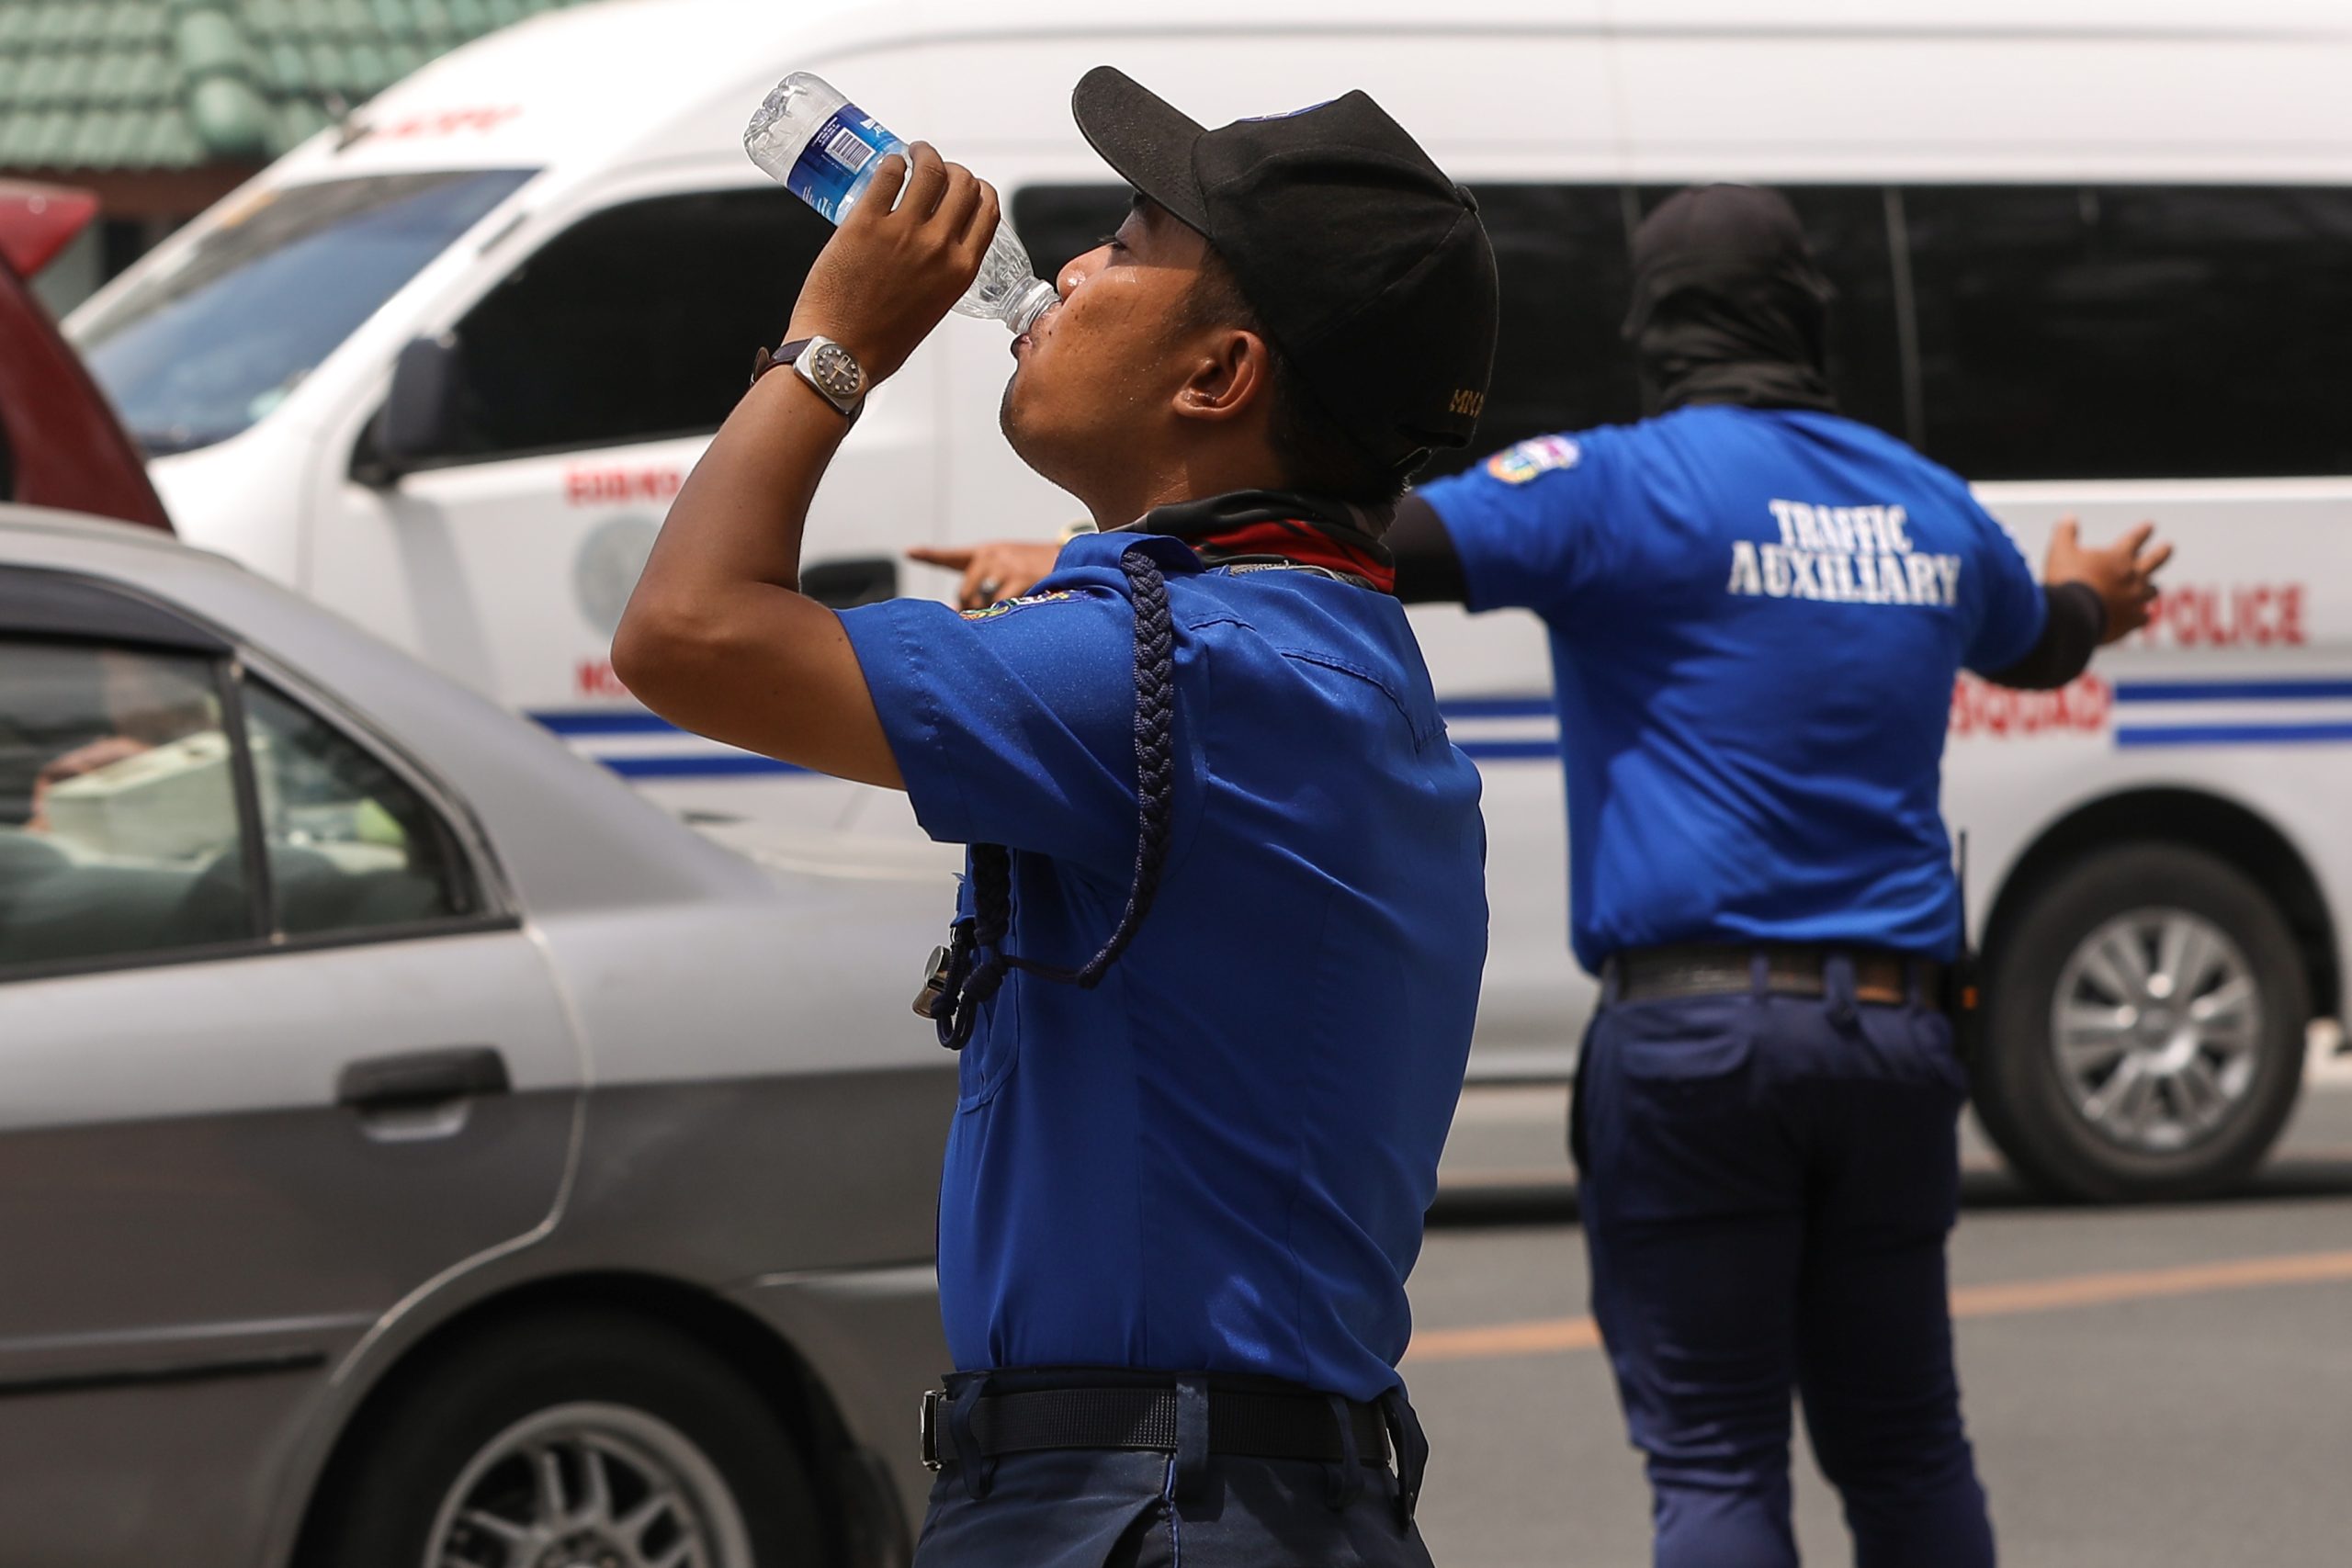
1364	263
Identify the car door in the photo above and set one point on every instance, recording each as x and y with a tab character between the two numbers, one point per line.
278	1051
585	383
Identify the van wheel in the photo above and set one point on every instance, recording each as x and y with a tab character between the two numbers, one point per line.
2144	1030
594	1440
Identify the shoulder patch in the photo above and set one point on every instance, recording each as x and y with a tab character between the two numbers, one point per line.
1517	464
1006	606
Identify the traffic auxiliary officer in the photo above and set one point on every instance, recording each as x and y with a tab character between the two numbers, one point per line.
1217	954
1757	612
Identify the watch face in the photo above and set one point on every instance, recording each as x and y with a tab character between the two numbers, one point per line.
835	369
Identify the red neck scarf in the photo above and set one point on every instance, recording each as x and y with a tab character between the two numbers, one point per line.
1274	527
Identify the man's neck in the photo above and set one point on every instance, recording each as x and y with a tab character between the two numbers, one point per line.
1145	486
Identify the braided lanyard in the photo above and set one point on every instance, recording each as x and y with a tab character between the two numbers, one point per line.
972	967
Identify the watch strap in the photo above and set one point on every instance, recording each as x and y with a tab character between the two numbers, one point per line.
786	356
777	358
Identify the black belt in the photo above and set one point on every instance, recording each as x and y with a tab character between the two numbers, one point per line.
1250	1422
1648	973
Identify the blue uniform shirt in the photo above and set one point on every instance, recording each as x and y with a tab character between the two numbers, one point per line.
1756	618
1218	1160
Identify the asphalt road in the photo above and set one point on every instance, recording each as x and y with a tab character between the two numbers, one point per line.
2149	1385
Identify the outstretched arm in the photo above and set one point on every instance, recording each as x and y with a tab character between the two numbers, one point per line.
2096	596
718	638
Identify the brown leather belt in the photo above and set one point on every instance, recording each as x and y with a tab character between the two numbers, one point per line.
1885	979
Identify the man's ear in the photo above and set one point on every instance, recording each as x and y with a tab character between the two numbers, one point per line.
1232	378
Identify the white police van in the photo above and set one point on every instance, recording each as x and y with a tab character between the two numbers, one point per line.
2090	255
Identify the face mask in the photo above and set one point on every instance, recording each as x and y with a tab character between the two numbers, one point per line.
1728	306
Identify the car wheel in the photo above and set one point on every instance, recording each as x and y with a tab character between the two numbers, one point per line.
2145	1029
594	1440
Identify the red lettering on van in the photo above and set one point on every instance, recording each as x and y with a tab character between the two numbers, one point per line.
2261	614
610	487
594	678
2081	707
446	122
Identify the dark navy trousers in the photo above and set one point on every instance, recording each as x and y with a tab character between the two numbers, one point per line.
1094	1509
1767	1186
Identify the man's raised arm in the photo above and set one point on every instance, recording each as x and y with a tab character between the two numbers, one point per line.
718	638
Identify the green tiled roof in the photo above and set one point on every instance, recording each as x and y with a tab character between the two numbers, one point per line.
171	84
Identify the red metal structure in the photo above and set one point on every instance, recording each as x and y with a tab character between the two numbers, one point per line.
61	443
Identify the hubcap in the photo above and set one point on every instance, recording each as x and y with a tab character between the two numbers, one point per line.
589	1487
2156	1027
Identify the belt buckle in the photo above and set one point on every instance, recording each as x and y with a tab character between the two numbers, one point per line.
930	1429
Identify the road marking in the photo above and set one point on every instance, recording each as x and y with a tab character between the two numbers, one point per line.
1555	1336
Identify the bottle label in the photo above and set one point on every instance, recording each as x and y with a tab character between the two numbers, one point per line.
835	162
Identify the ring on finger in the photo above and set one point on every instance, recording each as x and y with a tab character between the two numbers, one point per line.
988	587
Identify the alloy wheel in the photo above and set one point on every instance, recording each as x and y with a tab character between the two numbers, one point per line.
589	1485
2156	1028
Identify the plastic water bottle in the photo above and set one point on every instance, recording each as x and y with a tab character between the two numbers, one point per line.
824	150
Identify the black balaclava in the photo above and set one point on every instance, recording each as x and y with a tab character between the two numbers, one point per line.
1728	306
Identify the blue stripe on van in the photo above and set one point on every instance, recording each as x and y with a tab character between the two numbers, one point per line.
2232	734
707	765
1510	751
603	721
2231	691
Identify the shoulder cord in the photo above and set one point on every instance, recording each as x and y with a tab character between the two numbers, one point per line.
978	960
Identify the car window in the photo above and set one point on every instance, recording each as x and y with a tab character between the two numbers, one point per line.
119	830
199	349
351	846
2125	331
636	324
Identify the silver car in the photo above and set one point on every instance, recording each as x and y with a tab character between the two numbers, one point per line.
415	1148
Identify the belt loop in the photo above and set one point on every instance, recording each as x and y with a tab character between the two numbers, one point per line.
1191	1436
1838	982
1343	1482
978	1470
1412	1453
1759	973
1612	980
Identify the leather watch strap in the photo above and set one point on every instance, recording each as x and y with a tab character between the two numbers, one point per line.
786	356
779	359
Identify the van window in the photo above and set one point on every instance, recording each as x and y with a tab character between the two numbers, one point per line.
351	845
1560	255
1847	229
1060	223
636	324
2120	331
197	350
119	829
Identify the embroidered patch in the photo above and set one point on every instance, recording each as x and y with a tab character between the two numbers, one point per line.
1006	606
1517	464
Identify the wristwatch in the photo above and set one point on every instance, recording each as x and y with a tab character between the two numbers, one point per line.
826	365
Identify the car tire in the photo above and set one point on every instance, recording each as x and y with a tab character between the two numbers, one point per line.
2210	1089
590	1435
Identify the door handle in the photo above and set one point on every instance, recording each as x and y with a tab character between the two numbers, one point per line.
415	1080
845	583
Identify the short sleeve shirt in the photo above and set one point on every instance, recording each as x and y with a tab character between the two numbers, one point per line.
1756	618
1218	1158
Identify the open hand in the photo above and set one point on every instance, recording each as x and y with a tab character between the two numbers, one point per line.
1004	569
2122	573
905	254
